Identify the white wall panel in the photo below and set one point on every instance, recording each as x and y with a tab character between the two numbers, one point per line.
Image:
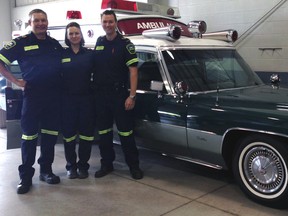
237	14
29	2
260	24
5	30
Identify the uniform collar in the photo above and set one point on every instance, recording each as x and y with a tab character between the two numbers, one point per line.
33	36
118	36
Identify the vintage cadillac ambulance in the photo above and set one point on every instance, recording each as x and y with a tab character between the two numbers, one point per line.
198	100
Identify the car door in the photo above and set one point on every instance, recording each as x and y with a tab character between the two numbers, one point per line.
160	116
189	66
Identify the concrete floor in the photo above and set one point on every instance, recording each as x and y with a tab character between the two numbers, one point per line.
170	187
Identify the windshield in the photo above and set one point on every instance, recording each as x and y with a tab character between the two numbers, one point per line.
205	70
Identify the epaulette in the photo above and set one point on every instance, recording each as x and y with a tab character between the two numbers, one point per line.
127	40
24	36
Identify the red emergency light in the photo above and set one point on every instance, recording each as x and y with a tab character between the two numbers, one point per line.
71	14
119	5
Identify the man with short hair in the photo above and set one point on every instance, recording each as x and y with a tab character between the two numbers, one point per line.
39	57
116	63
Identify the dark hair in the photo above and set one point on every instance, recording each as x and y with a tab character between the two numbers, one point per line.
36	11
109	12
73	24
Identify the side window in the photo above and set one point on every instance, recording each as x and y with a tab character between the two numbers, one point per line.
148	70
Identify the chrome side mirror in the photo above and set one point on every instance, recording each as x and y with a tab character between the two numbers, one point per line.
181	88
275	80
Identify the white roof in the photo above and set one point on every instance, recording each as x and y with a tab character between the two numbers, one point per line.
182	42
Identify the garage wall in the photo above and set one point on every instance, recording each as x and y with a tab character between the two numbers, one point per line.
29	2
5	30
225	14
261	25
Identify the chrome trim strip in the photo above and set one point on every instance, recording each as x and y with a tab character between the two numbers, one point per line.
253	130
221	90
195	161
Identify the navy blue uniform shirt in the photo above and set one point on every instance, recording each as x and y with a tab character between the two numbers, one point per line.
77	70
39	60
113	59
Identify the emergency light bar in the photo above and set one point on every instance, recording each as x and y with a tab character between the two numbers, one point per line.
121	5
71	14
125	6
172	33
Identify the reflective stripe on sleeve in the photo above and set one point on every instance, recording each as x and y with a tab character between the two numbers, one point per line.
134	60
5	60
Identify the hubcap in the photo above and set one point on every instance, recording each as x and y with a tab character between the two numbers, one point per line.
263	170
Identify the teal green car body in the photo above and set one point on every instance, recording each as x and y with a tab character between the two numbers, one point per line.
208	107
205	124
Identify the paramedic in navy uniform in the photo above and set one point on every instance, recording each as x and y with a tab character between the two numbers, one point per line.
78	103
39	57
116	62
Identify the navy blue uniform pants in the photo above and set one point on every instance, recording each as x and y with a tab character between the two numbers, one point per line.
78	125
39	111
110	107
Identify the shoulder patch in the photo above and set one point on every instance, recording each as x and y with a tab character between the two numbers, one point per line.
10	44
131	48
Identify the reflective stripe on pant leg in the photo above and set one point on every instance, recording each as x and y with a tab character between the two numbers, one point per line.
86	138
48	141
28	153
106	147
70	153
125	134
70	139
84	151
102	132
129	148
49	132
29	137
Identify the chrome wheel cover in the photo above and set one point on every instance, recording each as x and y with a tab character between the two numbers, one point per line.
263	170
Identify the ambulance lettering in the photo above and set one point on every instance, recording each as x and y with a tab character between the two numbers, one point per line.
150	25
